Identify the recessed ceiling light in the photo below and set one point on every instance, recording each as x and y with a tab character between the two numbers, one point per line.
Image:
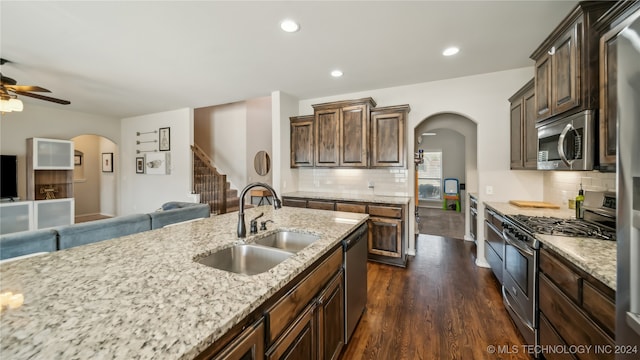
289	26
450	51
336	73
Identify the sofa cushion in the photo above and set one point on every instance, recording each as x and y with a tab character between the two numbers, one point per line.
93	231
27	242
175	212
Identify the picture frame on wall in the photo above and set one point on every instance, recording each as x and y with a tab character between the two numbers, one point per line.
140	165
107	162
158	163
164	139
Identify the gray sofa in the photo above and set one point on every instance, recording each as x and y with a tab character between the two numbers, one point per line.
64	237
27	242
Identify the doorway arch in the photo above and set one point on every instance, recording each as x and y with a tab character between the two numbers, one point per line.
94	190
461	129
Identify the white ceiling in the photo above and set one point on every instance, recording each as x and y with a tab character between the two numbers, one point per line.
124	59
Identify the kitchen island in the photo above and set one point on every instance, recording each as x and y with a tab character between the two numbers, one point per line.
143	296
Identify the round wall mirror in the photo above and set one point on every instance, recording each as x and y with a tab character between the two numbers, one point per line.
262	163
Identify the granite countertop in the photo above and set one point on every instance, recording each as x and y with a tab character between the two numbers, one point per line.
142	296
369	198
594	256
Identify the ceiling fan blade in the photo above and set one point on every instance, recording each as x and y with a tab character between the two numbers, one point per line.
26	88
42	97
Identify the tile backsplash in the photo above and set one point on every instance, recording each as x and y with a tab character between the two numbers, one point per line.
559	186
391	182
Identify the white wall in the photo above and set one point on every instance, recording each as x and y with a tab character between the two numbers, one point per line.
108	181
258	136
222	134
48	122
143	192
482	98
283	107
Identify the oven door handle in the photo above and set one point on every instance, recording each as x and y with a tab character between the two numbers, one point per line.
561	142
516	244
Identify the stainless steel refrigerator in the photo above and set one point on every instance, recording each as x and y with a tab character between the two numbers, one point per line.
622	63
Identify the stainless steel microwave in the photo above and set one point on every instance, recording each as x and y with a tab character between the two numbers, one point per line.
567	143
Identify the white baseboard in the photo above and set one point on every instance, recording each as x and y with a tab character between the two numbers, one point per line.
468	238
482	263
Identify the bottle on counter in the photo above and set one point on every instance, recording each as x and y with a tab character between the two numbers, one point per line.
579	202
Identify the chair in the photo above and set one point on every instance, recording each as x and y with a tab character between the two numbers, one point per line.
451	192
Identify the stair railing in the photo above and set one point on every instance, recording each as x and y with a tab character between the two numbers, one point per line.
208	182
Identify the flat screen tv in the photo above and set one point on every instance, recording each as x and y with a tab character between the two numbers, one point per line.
8	176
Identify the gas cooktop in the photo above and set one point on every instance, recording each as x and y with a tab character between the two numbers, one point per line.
564	227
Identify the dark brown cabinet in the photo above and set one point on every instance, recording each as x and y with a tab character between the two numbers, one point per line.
247	346
302	141
388	136
341	133
330	307
566	69
299	341
524	136
387	227
575	308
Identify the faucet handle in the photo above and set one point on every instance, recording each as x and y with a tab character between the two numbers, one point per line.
253	225
263	224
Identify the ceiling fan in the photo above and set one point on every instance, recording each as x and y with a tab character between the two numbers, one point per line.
9	89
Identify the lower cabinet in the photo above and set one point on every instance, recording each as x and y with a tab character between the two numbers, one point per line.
331	319
387	226
494	242
575	309
299	341
247	346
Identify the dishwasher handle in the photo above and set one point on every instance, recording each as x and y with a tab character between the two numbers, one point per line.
356	236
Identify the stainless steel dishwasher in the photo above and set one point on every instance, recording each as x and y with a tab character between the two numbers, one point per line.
355	279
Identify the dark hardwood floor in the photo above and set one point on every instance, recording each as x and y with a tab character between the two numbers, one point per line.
442	306
440	222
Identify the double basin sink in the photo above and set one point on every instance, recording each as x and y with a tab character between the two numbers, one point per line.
260	256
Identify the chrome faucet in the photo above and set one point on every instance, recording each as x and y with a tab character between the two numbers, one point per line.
242	227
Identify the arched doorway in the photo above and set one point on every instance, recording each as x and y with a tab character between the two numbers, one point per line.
451	140
94	185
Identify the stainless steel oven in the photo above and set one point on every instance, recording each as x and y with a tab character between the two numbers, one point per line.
520	280
567	143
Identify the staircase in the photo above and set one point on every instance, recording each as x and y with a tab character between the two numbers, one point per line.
213	187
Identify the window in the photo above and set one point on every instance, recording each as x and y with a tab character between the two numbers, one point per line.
430	176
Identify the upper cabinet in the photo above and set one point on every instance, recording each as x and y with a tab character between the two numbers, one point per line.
524	136
341	133
302	141
49	169
351	134
566	69
388	136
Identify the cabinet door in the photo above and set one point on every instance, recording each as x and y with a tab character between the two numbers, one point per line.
331	319
301	141
248	346
52	213
385	237
565	68
299	341
353	136
387	138
543	87
52	154
327	133
608	100
530	133
516	135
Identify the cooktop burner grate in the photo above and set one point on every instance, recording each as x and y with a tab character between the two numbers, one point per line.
564	227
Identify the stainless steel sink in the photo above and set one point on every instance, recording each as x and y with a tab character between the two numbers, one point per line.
245	259
287	240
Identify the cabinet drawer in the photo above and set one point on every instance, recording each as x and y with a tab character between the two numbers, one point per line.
599	307
287	309
494	261
249	345
495	240
354	208
385	211
320	205
562	276
300	203
570	322
550	338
